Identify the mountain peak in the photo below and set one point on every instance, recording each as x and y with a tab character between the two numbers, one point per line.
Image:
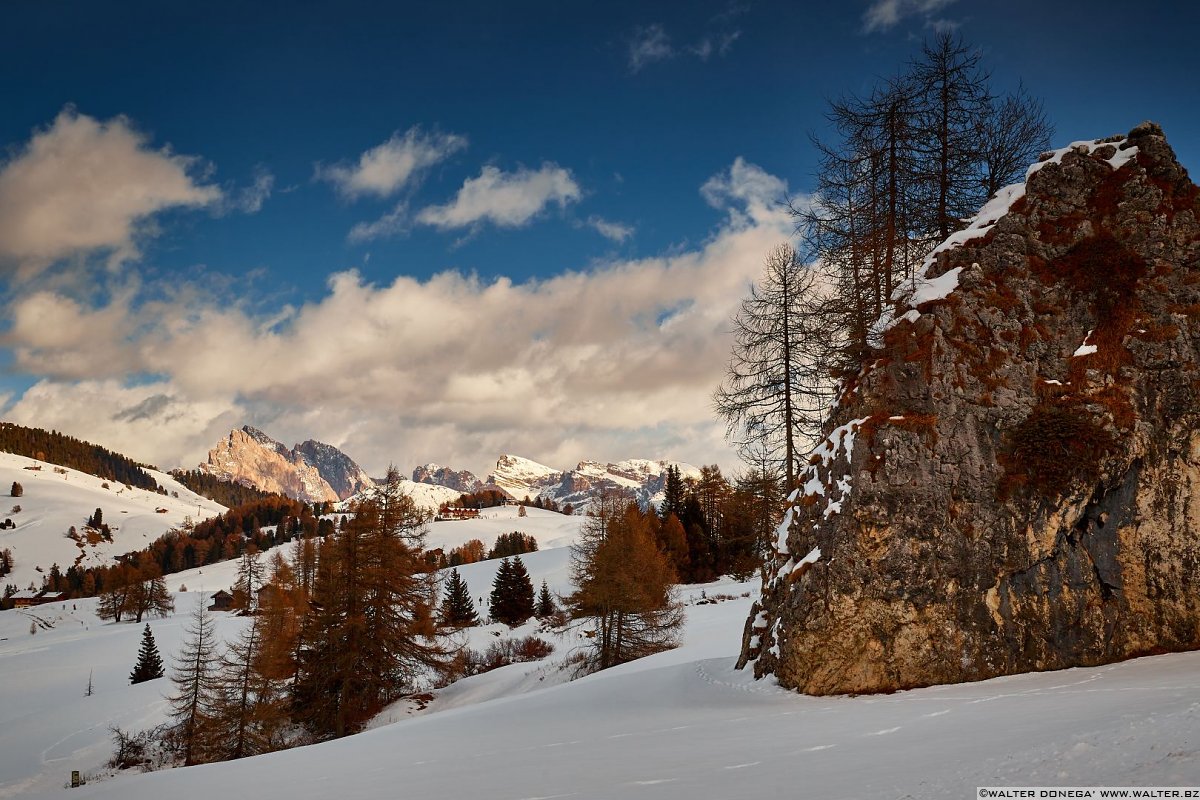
312	471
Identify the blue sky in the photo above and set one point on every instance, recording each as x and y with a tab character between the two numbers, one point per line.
441	233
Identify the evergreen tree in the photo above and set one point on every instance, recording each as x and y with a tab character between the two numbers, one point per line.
458	609
96	519
545	603
672	494
17	489
149	664
512	593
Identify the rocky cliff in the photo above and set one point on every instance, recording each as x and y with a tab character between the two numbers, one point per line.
312	471
1012	482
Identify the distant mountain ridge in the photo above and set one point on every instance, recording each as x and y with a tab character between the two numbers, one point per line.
643	479
312	471
317	472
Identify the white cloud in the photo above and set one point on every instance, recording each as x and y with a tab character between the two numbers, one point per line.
883	15
149	422
390	224
505	199
719	45
614	231
615	362
745	190
84	185
647	45
387	168
250	199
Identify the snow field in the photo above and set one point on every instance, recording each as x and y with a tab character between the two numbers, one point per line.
681	724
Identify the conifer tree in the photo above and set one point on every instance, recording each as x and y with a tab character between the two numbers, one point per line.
247	711
149	663
17	490
512	593
196	688
545	603
371	627
458	609
624	582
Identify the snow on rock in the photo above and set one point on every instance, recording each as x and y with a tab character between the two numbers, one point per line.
923	288
1085	349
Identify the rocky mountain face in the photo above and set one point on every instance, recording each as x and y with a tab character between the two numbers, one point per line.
1012	483
437	475
339	470
313	472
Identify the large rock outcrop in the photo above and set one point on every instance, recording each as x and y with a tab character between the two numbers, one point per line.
1013	482
313	471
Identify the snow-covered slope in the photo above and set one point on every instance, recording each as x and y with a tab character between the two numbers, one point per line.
426	495
682	724
520	476
56	498
547	527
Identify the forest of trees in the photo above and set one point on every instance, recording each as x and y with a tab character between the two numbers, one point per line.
66	451
907	164
227	493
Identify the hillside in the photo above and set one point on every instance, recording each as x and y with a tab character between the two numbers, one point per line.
56	498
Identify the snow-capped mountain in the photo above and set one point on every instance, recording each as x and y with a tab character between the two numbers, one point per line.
337	468
642	479
520	476
312	471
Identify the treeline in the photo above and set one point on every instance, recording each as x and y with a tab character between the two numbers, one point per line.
484	498
709	526
219	490
66	451
473	550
